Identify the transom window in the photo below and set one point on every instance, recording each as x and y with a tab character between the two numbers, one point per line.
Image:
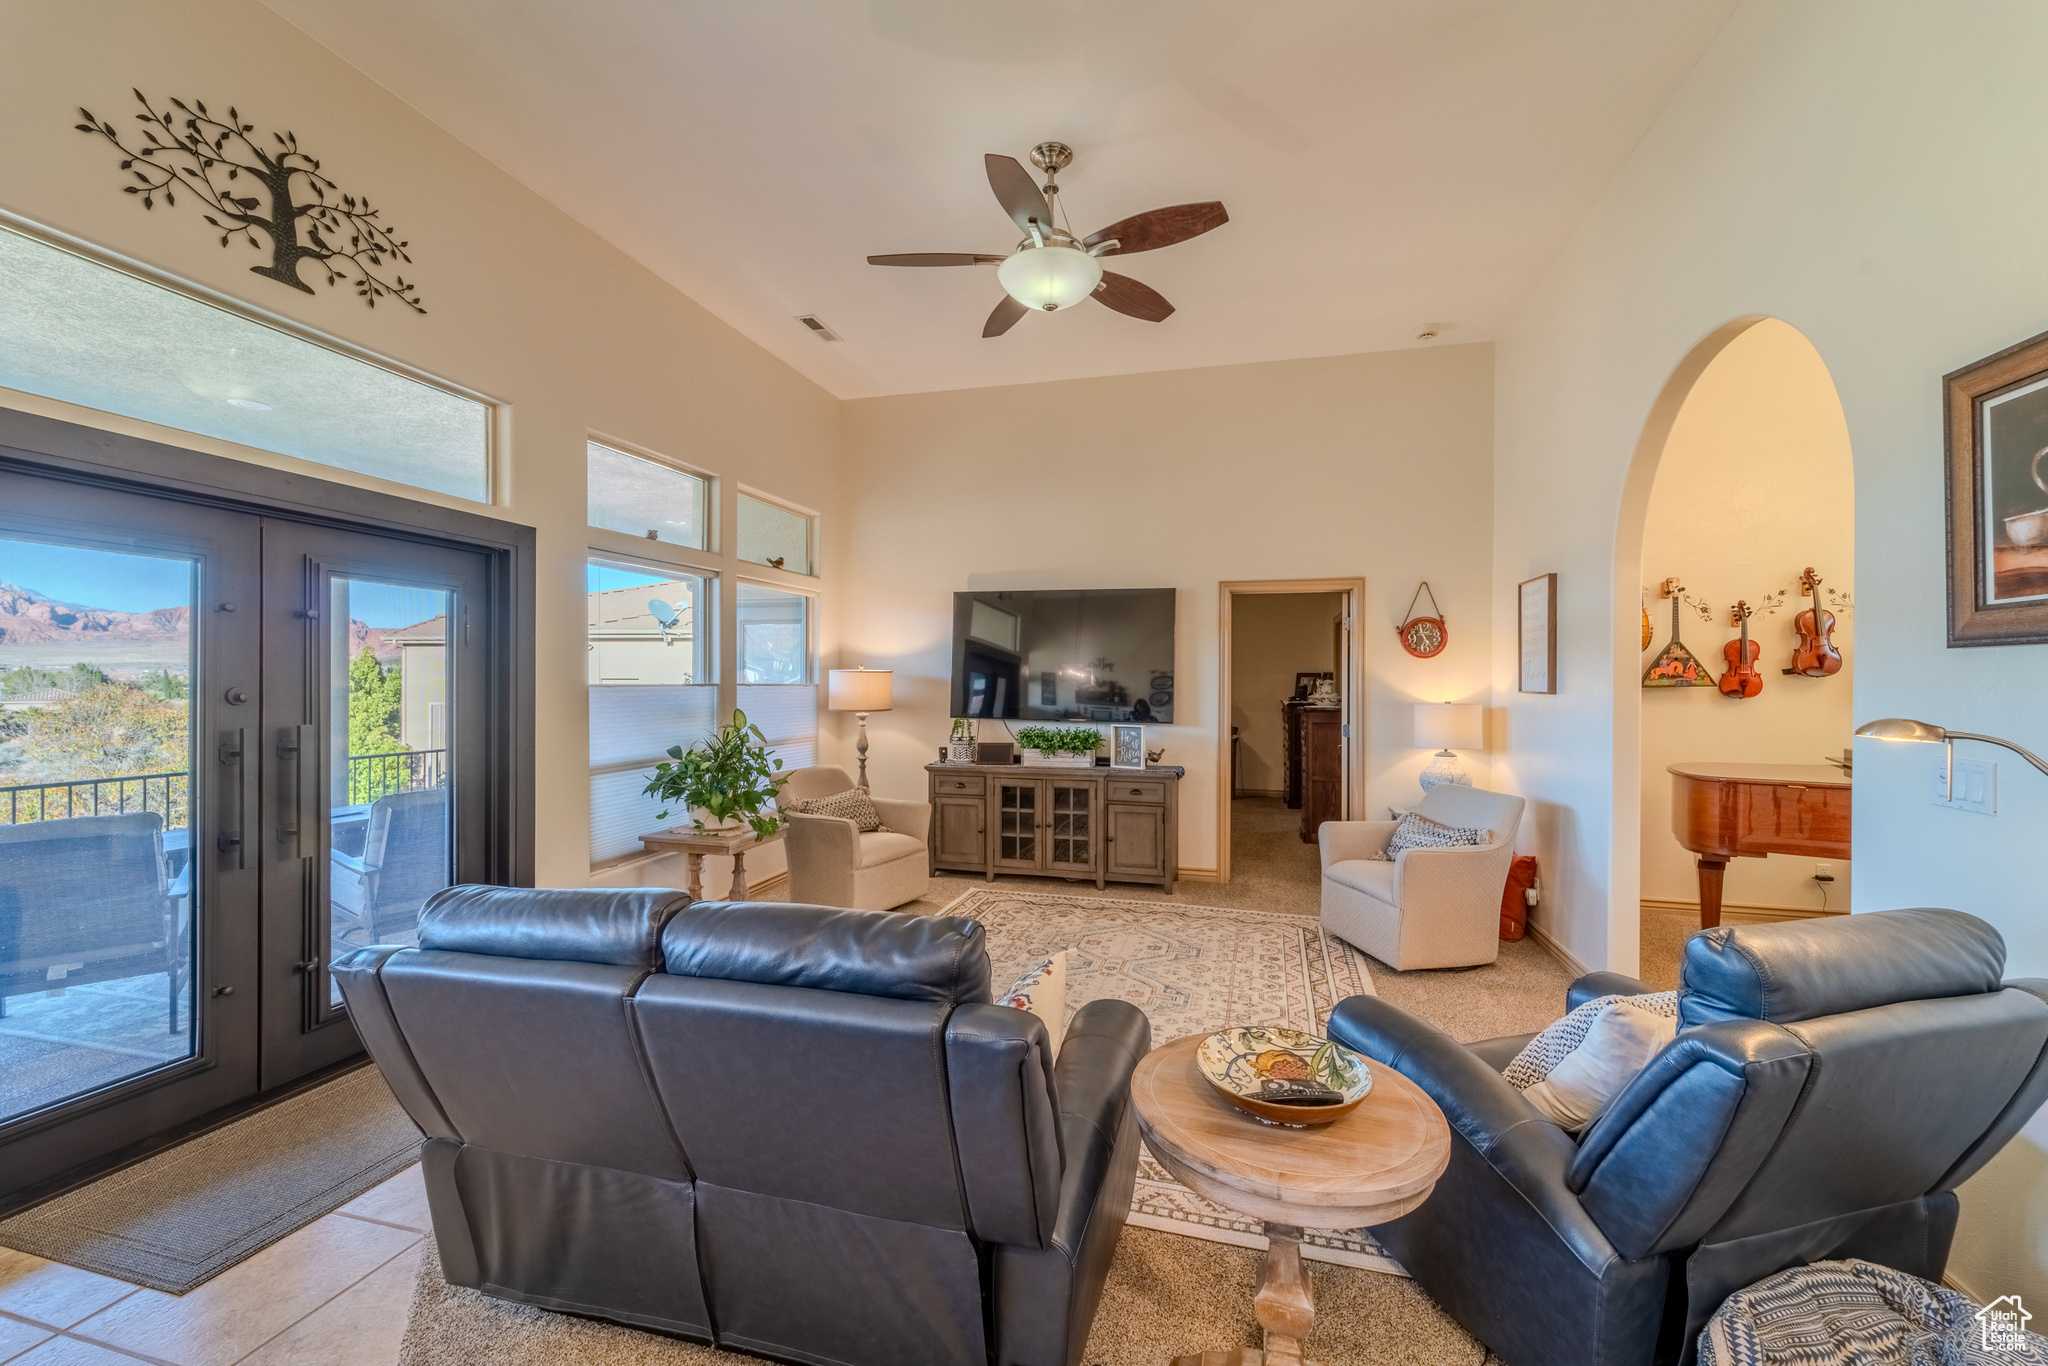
643	497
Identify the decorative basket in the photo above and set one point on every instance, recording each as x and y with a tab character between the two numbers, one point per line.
961	752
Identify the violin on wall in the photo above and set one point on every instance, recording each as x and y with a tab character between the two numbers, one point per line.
1816	656
1742	679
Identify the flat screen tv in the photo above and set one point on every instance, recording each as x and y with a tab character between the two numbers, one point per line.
1089	654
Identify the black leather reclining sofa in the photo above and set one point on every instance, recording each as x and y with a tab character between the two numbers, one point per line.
791	1130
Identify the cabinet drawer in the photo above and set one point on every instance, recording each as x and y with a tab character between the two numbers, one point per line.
951	786
1133	790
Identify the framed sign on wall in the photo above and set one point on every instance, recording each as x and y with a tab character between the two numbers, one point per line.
1538	632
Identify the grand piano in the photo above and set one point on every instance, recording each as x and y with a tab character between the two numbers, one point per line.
1725	811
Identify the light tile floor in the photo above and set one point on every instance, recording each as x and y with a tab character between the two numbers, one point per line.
332	1294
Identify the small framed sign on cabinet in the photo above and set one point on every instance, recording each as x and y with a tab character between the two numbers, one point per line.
1539	634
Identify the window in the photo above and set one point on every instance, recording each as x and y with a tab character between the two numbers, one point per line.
644	498
776	688
653	684
773	535
86	333
775	634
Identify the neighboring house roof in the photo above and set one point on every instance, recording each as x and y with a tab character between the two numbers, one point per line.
623	614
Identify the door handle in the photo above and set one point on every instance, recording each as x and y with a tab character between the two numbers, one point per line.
234	749
299	826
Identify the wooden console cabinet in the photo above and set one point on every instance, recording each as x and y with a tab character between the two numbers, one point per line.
1041	820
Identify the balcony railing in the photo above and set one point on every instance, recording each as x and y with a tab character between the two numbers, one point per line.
167	793
371	776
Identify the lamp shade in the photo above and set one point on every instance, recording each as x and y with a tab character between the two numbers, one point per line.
1450	725
859	689
1899	728
1049	277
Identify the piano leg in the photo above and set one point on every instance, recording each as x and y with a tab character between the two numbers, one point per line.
1711	871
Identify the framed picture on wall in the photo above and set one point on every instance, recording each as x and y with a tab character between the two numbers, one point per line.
1996	414
1126	746
1538	634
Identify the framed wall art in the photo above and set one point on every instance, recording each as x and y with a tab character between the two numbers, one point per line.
1996	415
1538	634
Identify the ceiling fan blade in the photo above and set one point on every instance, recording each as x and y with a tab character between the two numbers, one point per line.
1126	295
1004	318
1161	227
1018	192
933	258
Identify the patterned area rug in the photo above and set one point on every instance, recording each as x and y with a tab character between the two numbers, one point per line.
1192	970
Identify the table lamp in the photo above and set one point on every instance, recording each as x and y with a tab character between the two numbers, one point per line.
1448	727
860	691
1899	728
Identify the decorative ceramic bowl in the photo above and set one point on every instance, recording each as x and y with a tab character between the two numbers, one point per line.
1283	1076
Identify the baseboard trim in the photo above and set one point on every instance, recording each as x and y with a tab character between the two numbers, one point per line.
1558	951
769	889
1199	875
1742	912
1962	1288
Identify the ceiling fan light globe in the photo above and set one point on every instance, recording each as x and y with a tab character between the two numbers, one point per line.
1050	277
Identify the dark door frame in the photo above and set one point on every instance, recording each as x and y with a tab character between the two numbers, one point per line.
32	444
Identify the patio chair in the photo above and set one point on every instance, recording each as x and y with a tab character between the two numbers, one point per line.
404	861
87	900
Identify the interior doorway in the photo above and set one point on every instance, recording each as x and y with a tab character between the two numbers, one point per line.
1746	526
1289	730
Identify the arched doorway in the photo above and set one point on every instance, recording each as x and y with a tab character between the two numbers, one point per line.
1743	479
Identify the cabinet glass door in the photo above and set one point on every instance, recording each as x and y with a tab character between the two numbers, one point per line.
1070	827
1017	824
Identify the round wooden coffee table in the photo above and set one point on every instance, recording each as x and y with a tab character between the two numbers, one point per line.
1373	1165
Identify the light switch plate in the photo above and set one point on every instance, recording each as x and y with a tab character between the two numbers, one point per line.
1976	787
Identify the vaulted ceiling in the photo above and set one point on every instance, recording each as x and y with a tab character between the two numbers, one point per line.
1386	163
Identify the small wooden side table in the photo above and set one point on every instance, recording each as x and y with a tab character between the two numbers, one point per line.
697	843
1375	1164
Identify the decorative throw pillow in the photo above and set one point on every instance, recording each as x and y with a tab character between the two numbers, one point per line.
1042	990
1417	831
1572	1070
852	805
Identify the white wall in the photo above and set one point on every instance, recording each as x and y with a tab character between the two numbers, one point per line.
1273	637
1753	486
523	305
1374	466
1866	171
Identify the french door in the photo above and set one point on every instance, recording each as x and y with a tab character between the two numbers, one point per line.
233	747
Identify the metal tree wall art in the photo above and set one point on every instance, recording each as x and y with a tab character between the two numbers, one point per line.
252	184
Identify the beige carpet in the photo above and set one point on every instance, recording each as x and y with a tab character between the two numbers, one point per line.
1166	1294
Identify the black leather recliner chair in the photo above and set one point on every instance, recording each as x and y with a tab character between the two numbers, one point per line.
792	1130
1831	1084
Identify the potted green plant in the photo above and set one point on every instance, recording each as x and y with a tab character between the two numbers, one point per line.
1066	747
726	781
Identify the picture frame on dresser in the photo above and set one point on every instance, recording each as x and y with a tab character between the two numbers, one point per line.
1126	746
1996	429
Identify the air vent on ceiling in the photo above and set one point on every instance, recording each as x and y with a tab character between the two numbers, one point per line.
823	332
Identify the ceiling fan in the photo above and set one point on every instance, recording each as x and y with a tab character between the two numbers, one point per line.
1052	269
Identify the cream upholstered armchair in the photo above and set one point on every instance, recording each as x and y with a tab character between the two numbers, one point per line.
1428	908
831	863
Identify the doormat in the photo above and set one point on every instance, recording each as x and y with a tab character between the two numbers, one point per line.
175	1220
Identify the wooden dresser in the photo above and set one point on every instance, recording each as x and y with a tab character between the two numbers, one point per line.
1314	763
1724	811
1044	820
